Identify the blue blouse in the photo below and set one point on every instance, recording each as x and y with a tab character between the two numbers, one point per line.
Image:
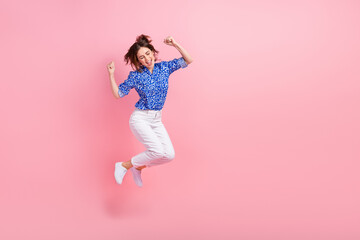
151	87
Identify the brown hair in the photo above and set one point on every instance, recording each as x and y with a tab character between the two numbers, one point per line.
131	55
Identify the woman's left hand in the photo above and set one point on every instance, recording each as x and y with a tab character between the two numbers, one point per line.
170	41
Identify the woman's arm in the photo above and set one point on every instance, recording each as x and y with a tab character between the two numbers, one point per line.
188	59
114	86
171	42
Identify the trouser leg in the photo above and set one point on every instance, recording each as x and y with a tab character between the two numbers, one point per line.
167	146
150	131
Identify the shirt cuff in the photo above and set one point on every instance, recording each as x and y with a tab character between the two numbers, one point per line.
182	63
121	94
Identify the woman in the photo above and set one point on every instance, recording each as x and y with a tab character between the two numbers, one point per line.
150	80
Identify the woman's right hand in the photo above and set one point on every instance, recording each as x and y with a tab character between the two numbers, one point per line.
111	67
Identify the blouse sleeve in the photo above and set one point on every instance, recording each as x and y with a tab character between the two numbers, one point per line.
127	85
176	64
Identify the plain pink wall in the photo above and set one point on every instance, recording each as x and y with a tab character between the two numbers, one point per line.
265	121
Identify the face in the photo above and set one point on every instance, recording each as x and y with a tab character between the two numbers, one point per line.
146	57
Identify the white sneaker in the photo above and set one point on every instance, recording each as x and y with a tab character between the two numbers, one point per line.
137	176
119	172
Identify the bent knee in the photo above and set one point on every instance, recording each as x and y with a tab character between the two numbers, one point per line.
170	155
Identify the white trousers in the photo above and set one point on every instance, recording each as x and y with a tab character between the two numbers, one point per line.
148	128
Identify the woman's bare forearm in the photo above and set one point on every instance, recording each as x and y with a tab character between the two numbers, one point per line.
114	86
188	59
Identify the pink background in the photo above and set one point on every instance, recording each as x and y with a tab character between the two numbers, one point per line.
265	121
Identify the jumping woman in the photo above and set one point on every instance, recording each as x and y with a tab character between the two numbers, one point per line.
151	81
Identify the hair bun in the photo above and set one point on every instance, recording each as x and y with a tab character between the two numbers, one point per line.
143	38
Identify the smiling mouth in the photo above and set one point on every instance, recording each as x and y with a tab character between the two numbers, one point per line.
148	63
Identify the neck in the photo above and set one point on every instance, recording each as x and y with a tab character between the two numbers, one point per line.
150	69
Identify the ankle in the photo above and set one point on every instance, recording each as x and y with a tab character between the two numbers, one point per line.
125	165
139	168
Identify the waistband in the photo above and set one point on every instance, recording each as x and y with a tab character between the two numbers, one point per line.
148	110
